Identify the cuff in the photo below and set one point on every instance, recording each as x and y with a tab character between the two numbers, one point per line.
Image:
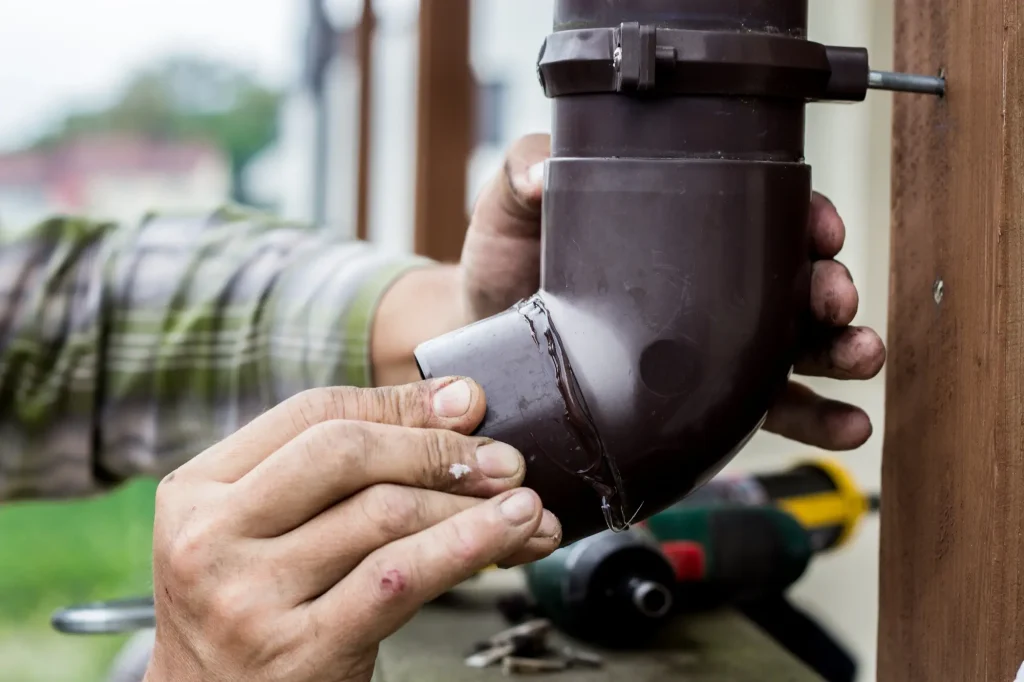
358	363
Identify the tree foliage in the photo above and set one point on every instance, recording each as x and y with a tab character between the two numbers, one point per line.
187	98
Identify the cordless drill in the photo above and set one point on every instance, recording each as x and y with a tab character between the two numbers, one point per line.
821	494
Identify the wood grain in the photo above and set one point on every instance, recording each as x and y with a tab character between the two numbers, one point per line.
952	556
444	128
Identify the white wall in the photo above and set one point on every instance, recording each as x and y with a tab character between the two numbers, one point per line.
393	171
343	147
507	36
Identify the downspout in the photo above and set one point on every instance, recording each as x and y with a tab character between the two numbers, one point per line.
675	261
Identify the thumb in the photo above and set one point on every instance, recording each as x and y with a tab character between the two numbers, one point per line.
453	404
510	204
501	256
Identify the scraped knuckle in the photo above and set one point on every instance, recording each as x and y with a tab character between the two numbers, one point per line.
394	579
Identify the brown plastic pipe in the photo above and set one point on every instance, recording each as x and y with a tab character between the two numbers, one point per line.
676	268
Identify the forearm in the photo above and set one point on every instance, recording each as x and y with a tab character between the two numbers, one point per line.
126	352
422	305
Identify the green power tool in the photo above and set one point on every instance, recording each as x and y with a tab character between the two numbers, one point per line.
722	554
615	589
620	588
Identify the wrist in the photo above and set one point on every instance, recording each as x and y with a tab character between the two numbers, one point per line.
421	305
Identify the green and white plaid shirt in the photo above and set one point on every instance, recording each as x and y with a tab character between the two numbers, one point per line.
125	351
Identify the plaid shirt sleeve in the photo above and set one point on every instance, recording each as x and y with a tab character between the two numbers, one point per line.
124	352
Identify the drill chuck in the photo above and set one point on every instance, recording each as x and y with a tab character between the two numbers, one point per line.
650	598
614	589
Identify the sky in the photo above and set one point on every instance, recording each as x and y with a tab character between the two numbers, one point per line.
55	54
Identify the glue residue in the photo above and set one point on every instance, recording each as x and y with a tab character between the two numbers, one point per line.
603	474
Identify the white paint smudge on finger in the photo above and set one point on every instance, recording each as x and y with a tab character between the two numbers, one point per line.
460	470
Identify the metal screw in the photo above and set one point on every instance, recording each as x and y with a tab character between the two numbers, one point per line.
939	291
907	82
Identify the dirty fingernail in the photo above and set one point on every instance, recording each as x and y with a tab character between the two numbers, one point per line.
497	460
519	508
453	400
549	526
536	174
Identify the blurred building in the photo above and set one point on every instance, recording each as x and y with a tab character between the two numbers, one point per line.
110	178
316	157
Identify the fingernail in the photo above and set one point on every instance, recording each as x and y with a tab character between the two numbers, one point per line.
536	174
549	526
497	460
453	400
519	508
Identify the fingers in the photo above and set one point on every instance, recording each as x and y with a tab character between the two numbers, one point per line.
335	460
546	540
854	353
501	256
834	298
327	548
828	232
452	403
804	416
391	584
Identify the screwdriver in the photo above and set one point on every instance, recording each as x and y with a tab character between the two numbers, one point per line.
821	494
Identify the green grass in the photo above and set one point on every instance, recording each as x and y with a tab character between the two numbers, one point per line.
56	554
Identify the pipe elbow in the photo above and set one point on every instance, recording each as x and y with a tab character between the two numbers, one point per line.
675	259
654	350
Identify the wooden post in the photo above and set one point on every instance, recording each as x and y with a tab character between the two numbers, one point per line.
444	128
367	27
952	555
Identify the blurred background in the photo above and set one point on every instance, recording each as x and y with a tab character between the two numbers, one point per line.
374	121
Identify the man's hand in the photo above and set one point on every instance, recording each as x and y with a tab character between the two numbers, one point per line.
501	265
290	550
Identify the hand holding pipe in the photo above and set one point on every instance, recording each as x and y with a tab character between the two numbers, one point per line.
675	273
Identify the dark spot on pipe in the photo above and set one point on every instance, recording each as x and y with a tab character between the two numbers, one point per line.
666	367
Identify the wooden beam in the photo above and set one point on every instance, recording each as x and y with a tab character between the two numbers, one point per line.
952	555
367	28
444	128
